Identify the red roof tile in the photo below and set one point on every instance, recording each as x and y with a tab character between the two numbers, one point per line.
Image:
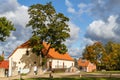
83	63
25	45
56	55
4	64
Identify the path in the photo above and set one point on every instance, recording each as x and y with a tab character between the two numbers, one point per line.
55	75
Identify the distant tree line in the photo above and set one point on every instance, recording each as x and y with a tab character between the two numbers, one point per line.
105	56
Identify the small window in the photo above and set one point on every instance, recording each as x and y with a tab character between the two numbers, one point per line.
72	64
34	62
27	52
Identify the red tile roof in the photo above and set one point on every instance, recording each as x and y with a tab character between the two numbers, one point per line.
4	64
56	55
25	45
51	54
83	63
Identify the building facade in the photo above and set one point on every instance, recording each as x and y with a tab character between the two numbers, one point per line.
4	65
86	65
22	59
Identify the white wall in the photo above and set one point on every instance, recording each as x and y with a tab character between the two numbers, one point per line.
2	72
14	61
56	63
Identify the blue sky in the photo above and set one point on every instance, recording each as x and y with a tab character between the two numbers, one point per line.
90	21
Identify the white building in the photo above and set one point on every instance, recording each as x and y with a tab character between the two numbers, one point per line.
23	59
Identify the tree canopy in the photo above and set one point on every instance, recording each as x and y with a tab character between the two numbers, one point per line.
104	56
1	58
48	26
6	27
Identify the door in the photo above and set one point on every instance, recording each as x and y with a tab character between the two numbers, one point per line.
50	65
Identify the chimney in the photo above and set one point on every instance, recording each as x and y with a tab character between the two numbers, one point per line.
3	54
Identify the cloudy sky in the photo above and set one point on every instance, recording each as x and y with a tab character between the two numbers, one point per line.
90	20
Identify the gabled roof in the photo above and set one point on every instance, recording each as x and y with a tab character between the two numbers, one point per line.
51	54
4	64
25	45
83	63
56	55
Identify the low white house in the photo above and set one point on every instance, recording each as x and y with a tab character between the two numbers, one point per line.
57	60
22	59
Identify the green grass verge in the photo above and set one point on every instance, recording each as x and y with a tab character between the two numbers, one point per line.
74	79
107	72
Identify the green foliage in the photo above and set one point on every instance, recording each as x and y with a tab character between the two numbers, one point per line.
48	26
6	27
107	56
113	55
94	53
1	58
36	44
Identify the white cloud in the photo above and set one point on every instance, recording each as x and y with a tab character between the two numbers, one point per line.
69	5
88	41
74	33
82	5
103	30
75	52
8	5
71	10
102	9
73	40
67	2
19	16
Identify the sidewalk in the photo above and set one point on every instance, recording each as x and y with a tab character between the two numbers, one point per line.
55	75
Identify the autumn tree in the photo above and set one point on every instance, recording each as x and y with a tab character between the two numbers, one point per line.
47	26
95	53
104	56
113	53
6	27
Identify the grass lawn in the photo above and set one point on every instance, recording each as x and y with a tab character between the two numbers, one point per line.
107	72
74	79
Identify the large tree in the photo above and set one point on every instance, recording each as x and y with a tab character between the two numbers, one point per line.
48	26
113	52
104	56
6	27
95	53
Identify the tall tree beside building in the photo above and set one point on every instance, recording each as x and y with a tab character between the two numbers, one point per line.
48	26
6	27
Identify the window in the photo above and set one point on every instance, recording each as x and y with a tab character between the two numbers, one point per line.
34	62
72	64
27	52
63	65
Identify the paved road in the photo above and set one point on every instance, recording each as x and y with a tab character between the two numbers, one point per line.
55	75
